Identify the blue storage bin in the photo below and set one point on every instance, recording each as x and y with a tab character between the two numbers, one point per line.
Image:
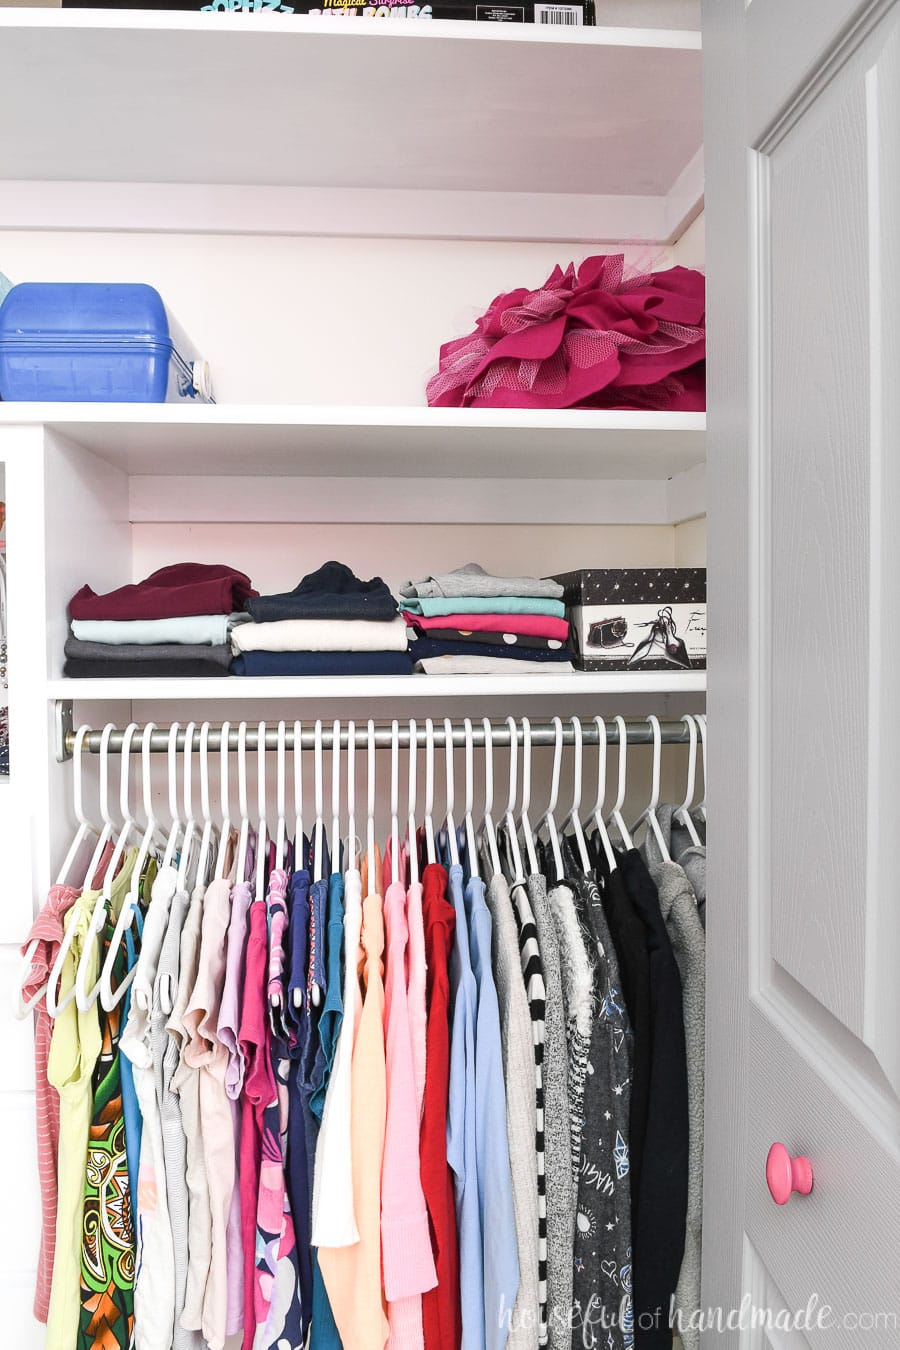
91	343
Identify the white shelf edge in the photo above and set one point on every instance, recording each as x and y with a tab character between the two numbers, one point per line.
349	415
376	686
139	21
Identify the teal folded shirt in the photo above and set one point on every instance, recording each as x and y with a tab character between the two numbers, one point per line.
486	604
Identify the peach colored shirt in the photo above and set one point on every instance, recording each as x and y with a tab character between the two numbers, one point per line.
352	1274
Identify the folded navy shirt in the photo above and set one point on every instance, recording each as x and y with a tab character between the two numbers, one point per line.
322	663
332	592
423	647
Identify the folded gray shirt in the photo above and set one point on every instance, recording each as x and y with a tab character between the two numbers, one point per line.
138	654
474	580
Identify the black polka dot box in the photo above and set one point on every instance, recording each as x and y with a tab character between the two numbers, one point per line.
637	618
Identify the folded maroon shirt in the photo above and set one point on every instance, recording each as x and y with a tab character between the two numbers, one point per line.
171	593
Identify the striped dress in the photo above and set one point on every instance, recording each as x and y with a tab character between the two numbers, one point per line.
533	973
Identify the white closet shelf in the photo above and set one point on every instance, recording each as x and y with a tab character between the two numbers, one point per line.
365	687
412	128
335	441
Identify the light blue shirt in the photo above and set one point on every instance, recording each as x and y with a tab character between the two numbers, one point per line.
461	1119
495	1198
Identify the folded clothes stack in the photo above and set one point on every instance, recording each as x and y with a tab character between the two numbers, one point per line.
332	623
469	622
176	622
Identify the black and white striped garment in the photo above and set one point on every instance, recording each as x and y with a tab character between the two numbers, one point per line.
533	974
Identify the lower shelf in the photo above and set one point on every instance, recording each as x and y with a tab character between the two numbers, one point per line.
381	686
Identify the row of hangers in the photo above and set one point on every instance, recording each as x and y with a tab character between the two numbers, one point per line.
200	849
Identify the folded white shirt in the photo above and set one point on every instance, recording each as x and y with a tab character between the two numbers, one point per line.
207	630
321	635
490	665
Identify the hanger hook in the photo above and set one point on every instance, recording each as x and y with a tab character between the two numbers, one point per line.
146	762
280	757
224	802
526	765
470	765
657	760
395	769
78	776
602	750
104	774
488	765
172	758
261	774
413	767
125	771
576	764
205	811
557	765
189	770
242	773
429	766
448	752
623	764
513	765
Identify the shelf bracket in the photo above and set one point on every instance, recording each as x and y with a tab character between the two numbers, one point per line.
64	723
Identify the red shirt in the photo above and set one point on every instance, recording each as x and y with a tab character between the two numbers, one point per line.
171	593
441	1319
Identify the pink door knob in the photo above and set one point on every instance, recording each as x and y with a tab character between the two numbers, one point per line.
785	1174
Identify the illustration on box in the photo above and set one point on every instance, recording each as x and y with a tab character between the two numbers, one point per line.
610	636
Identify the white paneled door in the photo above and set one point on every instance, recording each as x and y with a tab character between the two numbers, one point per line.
803	237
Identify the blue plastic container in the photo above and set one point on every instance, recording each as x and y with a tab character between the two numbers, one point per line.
88	343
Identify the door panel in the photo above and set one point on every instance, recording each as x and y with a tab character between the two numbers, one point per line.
804	430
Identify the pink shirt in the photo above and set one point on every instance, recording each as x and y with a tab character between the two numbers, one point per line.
47	931
253	1043
405	1237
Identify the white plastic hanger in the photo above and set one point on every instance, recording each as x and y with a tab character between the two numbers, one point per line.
682	813
451	793
85	827
487	827
262	829
701	727
609	851
174	806
412	841
281	822
352	841
22	1007
509	820
110	997
524	821
299	859
224	803
469	824
615	816
370	809
649	813
429	790
109	824
86	997
244	833
395	802
573	819
55	1005
336	798
549	817
319	828
190	829
208	837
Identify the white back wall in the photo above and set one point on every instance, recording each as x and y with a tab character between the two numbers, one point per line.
308	320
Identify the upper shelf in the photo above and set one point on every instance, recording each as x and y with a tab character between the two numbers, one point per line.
332	441
302	124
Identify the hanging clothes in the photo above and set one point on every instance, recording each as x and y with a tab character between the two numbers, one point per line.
441	1312
47	931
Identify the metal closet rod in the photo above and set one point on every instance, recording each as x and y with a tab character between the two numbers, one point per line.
638	732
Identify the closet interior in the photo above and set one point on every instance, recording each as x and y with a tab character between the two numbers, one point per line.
323	208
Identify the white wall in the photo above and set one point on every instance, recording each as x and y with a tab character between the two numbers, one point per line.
300	320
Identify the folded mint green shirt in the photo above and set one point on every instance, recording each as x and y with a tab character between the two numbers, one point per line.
485	604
